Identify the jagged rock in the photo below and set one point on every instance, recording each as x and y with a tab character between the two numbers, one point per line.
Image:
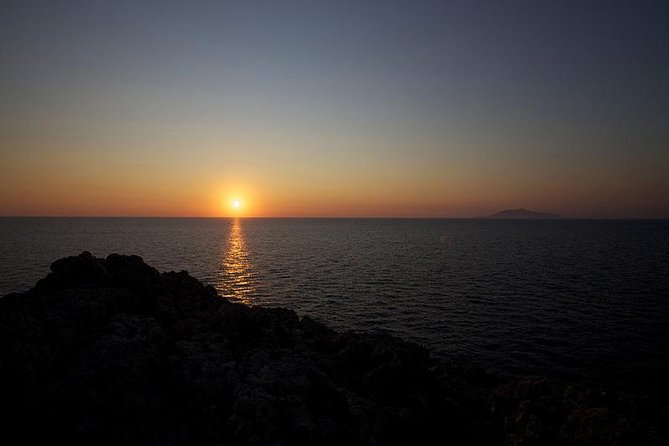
110	351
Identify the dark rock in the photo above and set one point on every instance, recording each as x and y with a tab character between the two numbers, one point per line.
597	426
110	351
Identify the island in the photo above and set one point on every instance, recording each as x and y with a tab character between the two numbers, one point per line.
111	351
522	214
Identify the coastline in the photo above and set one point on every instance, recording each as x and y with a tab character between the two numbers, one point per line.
112	351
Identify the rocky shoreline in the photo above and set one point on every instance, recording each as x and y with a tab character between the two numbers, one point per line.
110	351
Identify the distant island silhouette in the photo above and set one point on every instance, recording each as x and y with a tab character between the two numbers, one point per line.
522	213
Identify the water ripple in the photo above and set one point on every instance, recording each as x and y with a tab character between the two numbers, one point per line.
574	296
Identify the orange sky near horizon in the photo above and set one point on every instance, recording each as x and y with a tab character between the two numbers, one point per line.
309	176
88	185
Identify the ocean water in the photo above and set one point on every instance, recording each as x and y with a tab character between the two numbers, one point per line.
566	297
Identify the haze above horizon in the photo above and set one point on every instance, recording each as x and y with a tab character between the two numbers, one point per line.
334	109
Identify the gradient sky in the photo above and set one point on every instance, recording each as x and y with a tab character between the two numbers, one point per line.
338	108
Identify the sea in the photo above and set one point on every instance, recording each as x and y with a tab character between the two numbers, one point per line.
571	298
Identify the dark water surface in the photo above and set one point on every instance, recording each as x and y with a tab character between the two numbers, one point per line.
581	297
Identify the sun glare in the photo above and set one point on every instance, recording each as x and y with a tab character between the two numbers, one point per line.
234	203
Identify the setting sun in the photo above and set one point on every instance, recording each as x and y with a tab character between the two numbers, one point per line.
233	201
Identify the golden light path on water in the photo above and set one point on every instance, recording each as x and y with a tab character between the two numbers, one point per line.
237	280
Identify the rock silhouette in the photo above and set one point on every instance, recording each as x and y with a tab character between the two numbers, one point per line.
110	351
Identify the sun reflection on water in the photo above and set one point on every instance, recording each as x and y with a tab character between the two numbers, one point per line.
237	280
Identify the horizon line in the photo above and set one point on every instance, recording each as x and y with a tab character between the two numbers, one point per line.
314	217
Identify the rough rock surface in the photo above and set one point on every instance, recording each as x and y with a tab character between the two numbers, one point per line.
110	351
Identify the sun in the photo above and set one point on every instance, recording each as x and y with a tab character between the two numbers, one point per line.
234	204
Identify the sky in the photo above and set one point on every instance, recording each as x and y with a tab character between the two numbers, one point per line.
334	108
